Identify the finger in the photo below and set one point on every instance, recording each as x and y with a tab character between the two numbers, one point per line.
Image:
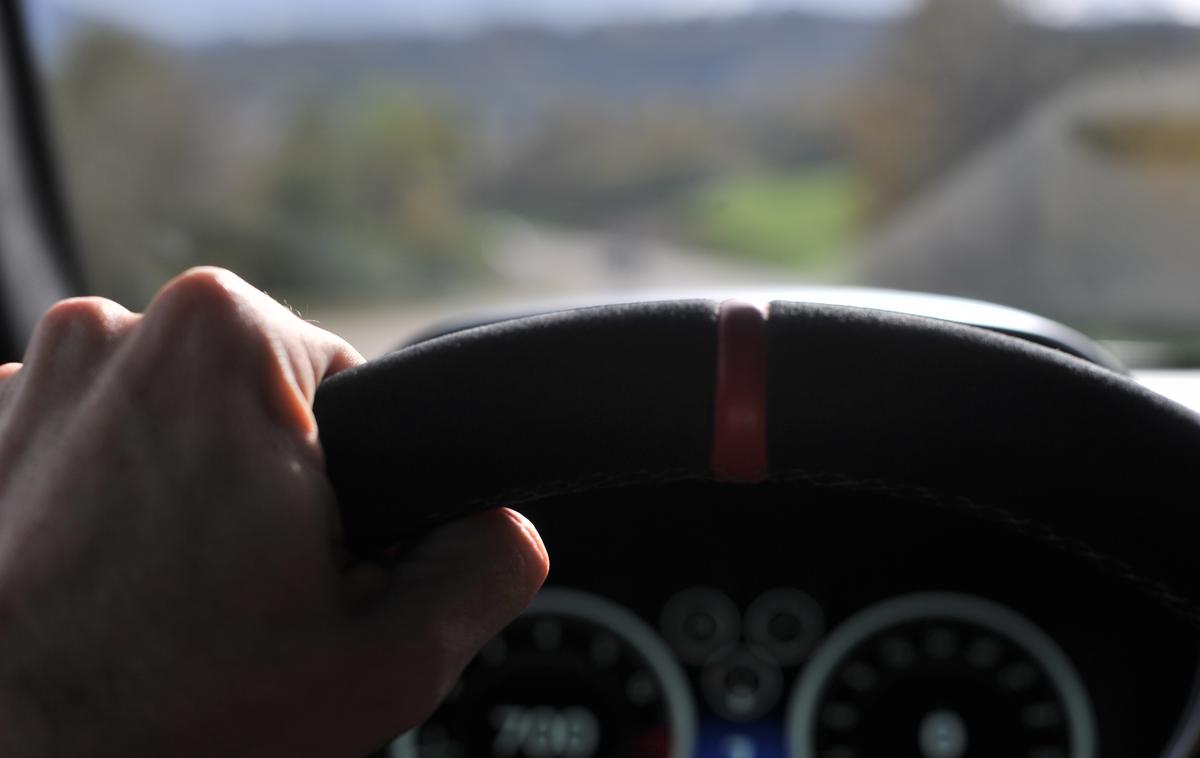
72	342
454	591
212	321
7	372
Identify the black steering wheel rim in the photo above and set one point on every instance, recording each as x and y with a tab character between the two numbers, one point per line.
910	408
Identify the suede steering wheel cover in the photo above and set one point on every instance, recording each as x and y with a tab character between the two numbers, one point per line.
914	409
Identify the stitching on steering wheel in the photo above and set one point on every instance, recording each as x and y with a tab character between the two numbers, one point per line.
1074	546
1077	547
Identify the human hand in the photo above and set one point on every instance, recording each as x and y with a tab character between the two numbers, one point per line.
172	580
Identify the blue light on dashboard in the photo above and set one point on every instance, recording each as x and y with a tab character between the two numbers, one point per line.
719	740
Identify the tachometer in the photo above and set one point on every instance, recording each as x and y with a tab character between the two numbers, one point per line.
576	676
940	676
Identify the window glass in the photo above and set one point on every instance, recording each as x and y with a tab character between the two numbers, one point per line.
375	163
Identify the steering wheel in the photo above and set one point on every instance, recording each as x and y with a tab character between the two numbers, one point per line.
906	407
912	411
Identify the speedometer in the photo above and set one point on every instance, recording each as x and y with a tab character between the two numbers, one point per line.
576	676
940	675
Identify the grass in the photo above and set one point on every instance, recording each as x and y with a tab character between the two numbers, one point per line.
802	220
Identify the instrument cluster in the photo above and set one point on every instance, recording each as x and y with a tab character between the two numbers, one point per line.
729	622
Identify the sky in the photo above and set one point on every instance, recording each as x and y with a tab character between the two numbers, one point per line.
195	21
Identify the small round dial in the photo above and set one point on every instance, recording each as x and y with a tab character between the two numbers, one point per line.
576	676
940	675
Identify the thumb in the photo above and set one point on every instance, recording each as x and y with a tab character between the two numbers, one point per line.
452	592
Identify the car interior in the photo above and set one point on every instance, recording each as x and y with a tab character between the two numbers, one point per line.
788	514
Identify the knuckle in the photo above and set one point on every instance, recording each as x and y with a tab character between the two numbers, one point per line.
199	290
207	300
93	319
208	325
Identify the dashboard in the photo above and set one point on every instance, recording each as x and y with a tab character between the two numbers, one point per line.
735	623
793	613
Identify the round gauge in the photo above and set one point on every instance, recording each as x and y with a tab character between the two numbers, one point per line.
699	623
786	623
940	675
576	676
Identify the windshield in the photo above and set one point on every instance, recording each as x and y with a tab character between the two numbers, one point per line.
376	164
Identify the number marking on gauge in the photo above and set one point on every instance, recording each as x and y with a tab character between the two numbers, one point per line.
545	686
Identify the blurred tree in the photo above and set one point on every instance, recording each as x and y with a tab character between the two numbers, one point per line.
794	128
596	167
405	170
355	192
958	72
378	173
131	134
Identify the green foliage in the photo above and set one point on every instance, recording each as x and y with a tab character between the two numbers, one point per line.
800	219
370	189
378	175
129	129
359	192
586	166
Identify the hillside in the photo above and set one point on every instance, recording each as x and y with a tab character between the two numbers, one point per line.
510	75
